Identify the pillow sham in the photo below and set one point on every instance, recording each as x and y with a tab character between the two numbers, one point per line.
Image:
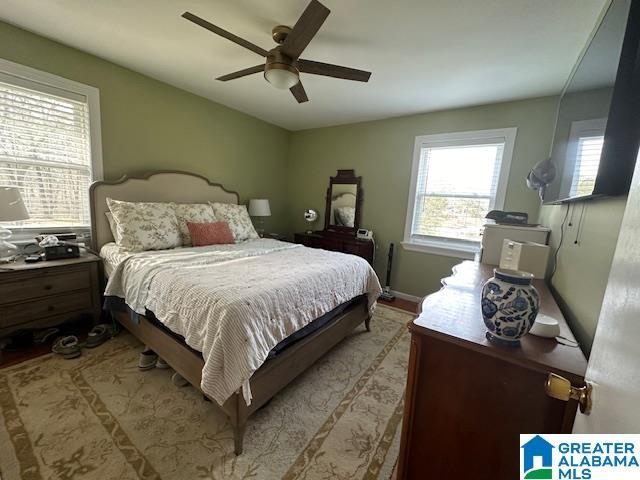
112	226
238	219
194	213
144	225
216	233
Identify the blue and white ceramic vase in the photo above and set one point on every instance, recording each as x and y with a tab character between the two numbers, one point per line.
509	306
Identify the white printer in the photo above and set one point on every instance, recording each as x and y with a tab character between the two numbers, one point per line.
494	235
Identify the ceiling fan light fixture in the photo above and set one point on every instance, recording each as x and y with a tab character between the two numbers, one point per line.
281	76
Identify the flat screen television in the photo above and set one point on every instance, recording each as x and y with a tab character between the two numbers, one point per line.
597	132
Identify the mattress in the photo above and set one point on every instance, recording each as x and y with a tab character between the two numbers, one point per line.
236	303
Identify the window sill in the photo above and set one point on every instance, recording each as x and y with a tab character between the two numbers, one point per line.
22	236
445	248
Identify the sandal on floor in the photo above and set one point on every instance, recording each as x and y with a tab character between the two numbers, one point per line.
69	347
98	335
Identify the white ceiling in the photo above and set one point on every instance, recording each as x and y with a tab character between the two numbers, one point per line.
425	55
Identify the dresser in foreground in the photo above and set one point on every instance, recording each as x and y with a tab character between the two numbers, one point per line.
467	400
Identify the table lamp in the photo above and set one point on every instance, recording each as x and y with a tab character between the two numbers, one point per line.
259	207
12	209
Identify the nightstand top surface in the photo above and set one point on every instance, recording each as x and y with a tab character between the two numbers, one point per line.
21	265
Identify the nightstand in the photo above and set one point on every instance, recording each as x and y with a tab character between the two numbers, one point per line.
47	293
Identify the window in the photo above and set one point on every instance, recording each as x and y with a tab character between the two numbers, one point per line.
49	145
456	179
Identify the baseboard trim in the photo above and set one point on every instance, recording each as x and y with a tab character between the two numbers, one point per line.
406	296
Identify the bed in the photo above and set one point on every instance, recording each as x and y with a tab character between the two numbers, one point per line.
273	360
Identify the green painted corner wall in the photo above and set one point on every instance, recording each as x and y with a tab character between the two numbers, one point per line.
150	125
382	153
583	268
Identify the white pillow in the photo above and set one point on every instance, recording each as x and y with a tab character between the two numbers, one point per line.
238	219
112	226
145	225
195	213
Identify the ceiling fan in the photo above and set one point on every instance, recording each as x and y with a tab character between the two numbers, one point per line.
283	63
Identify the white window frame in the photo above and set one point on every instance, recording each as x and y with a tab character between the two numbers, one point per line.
449	246
26	77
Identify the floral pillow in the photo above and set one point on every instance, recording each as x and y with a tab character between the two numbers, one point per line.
238	219
145	226
194	213
112	226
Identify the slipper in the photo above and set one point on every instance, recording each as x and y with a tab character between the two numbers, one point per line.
162	365
41	336
98	335
147	360
178	380
68	347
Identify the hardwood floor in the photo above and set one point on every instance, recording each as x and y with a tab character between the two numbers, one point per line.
407	305
21	347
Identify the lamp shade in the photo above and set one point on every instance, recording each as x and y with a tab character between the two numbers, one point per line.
12	207
259	207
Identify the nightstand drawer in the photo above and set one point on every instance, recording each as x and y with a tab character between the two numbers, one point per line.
18	313
42	284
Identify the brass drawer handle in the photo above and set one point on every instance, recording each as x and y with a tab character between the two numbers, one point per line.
560	388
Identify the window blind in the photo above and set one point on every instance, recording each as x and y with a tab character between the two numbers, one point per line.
456	187
586	165
45	151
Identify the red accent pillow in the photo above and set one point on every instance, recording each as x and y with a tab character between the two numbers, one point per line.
216	233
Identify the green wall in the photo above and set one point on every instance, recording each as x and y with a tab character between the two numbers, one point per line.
583	268
382	153
149	125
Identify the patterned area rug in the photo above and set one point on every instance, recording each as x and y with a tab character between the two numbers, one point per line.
98	417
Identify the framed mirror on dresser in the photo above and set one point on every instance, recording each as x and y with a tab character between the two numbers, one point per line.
341	219
344	203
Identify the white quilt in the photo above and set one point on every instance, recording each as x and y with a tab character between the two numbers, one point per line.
234	303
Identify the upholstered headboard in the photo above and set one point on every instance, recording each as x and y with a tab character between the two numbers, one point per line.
160	186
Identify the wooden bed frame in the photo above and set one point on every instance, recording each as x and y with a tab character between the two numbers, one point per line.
274	374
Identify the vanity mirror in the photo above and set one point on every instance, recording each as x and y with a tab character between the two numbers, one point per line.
344	199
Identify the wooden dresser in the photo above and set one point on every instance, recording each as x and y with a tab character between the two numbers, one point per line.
43	294
468	400
337	243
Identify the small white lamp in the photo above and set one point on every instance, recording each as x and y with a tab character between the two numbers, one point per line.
12	209
259	207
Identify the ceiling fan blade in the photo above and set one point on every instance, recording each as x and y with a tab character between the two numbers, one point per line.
330	70
299	93
241	73
305	29
223	33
